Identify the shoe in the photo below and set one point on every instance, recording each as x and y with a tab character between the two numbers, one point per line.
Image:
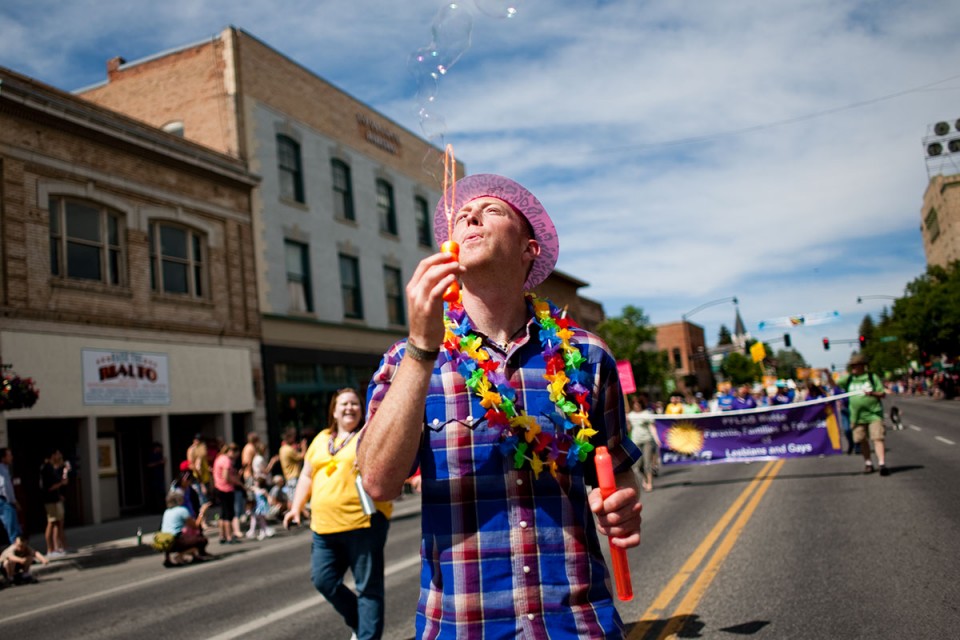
56	553
353	636
884	471
868	468
250	535
270	532
233	541
223	541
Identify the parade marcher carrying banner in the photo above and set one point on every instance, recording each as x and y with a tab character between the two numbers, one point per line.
798	430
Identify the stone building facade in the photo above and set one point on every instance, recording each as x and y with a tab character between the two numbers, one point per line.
128	291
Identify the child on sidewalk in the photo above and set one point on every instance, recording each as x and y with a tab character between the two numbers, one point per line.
261	507
16	560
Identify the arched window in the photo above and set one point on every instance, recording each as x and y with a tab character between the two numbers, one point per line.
86	241
386	209
291	172
178	260
342	190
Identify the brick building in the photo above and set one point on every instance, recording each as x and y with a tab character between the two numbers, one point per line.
686	348
343	213
127	290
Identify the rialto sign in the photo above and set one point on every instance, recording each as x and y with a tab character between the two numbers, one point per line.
125	378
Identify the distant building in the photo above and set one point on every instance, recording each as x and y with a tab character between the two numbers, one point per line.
940	220
128	292
940	215
686	349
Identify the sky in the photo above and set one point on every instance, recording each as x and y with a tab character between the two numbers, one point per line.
688	152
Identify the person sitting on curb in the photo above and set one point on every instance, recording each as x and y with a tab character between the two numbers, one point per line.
189	543
16	560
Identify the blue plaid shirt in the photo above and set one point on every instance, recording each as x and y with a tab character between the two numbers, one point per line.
505	555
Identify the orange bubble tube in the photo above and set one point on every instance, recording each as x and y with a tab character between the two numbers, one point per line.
618	555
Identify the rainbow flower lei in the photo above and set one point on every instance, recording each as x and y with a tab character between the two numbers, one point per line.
569	388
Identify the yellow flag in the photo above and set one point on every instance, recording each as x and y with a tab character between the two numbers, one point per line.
757	352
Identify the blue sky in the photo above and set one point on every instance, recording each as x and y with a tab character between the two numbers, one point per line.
687	151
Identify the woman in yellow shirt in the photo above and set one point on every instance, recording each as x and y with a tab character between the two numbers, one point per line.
343	534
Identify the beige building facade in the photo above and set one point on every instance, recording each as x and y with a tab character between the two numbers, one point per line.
940	220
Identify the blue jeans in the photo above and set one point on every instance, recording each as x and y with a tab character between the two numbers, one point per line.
360	550
8	517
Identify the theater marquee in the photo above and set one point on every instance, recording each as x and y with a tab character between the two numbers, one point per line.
125	378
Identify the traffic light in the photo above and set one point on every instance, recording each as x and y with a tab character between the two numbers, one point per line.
826	344
786	340
863	342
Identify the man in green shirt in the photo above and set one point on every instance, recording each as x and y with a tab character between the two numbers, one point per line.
866	411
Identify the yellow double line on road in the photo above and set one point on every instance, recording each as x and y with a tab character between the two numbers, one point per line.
750	496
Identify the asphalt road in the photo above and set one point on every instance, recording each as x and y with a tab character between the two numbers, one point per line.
790	549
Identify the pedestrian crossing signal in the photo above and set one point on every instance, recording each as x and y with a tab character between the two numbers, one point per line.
826	344
786	340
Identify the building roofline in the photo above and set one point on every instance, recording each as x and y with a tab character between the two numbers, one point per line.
36	96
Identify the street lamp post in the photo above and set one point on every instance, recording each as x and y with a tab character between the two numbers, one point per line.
732	299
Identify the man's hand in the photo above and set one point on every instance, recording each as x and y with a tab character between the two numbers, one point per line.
425	298
618	517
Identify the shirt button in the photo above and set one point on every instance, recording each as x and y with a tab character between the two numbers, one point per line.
526	569
519	481
530	616
523	524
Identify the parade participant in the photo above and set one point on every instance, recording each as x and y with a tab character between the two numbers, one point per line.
742	399
344	534
675	407
866	412
501	400
643	434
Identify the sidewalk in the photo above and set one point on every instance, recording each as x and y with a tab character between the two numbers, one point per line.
116	541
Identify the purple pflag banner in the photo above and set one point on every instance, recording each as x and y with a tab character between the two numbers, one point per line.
798	430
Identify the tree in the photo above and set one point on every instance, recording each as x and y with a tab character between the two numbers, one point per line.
724	337
928	317
632	337
787	362
740	369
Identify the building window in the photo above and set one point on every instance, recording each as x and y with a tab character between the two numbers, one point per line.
422	212
350	287
342	190
85	241
933	224
677	359
291	174
386	210
177	260
298	276
175	127
393	285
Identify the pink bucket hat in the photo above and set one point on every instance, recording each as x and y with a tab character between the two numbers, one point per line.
488	184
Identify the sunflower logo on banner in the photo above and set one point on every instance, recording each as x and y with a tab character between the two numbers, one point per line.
685	437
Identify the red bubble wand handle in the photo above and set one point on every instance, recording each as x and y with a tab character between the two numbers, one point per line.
608	484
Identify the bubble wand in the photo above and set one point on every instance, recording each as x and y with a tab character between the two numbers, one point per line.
618	555
452	294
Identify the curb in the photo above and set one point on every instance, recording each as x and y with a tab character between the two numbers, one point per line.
121	549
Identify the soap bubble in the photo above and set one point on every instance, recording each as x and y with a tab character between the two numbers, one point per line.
498	8
433	125
423	68
451	35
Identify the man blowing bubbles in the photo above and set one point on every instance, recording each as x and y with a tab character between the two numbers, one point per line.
501	400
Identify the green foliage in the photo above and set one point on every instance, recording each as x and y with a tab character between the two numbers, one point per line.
724	337
928	317
787	362
632	337
740	369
